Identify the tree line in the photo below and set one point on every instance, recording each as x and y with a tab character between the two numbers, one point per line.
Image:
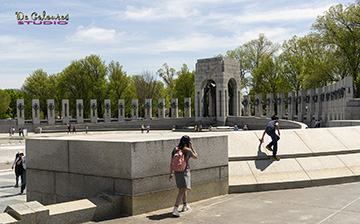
327	54
90	78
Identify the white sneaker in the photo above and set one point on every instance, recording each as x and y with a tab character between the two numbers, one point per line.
185	208
176	212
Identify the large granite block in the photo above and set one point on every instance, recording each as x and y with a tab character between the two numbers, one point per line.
100	158
48	155
40	181
70	185
94	185
72	212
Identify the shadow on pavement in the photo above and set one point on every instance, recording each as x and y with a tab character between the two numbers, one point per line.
11	195
10	186
263	162
161	216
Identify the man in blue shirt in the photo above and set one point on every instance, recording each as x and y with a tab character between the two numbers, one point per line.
270	130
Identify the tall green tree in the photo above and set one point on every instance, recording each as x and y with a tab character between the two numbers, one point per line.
119	86
250	56
340	27
185	87
268	77
4	103
168	75
308	62
37	86
85	79
147	87
14	95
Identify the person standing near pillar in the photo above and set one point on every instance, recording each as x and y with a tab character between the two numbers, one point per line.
270	129
22	162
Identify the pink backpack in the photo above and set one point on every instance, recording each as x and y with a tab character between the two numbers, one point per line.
178	162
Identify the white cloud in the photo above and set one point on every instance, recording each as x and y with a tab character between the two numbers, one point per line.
94	34
162	10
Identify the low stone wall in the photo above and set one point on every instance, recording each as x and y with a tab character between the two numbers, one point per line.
259	123
67	169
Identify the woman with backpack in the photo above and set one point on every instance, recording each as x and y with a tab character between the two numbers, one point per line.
180	165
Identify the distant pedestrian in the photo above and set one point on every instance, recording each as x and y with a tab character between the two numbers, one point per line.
86	129
22	162
69	128
10	130
147	128
270	130
245	128
13	131
236	127
74	129
142	128
20	131
200	127
185	150
17	169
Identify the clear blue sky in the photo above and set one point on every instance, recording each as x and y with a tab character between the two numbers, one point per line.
143	35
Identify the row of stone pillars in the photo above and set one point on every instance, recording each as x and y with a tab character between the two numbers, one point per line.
324	103
93	110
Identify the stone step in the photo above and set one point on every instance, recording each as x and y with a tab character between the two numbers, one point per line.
310	157
256	175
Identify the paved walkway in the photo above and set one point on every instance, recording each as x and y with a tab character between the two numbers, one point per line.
8	193
325	205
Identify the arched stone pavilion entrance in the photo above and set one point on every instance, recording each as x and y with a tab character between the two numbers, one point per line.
217	90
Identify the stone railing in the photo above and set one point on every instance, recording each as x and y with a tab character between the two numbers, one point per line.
93	110
333	102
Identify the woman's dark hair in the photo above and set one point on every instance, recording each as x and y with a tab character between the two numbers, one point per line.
184	141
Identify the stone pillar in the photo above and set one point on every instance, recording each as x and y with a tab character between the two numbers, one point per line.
161	108
258	105
331	102
247	105
121	110
349	90
36	111
148	109
301	102
65	111
20	111
134	109
336	104
79	111
270	107
107	110
220	105
348	94
311	107
280	103
187	107
93	111
318	103
324	97
51	111
198	103
174	108
291	101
